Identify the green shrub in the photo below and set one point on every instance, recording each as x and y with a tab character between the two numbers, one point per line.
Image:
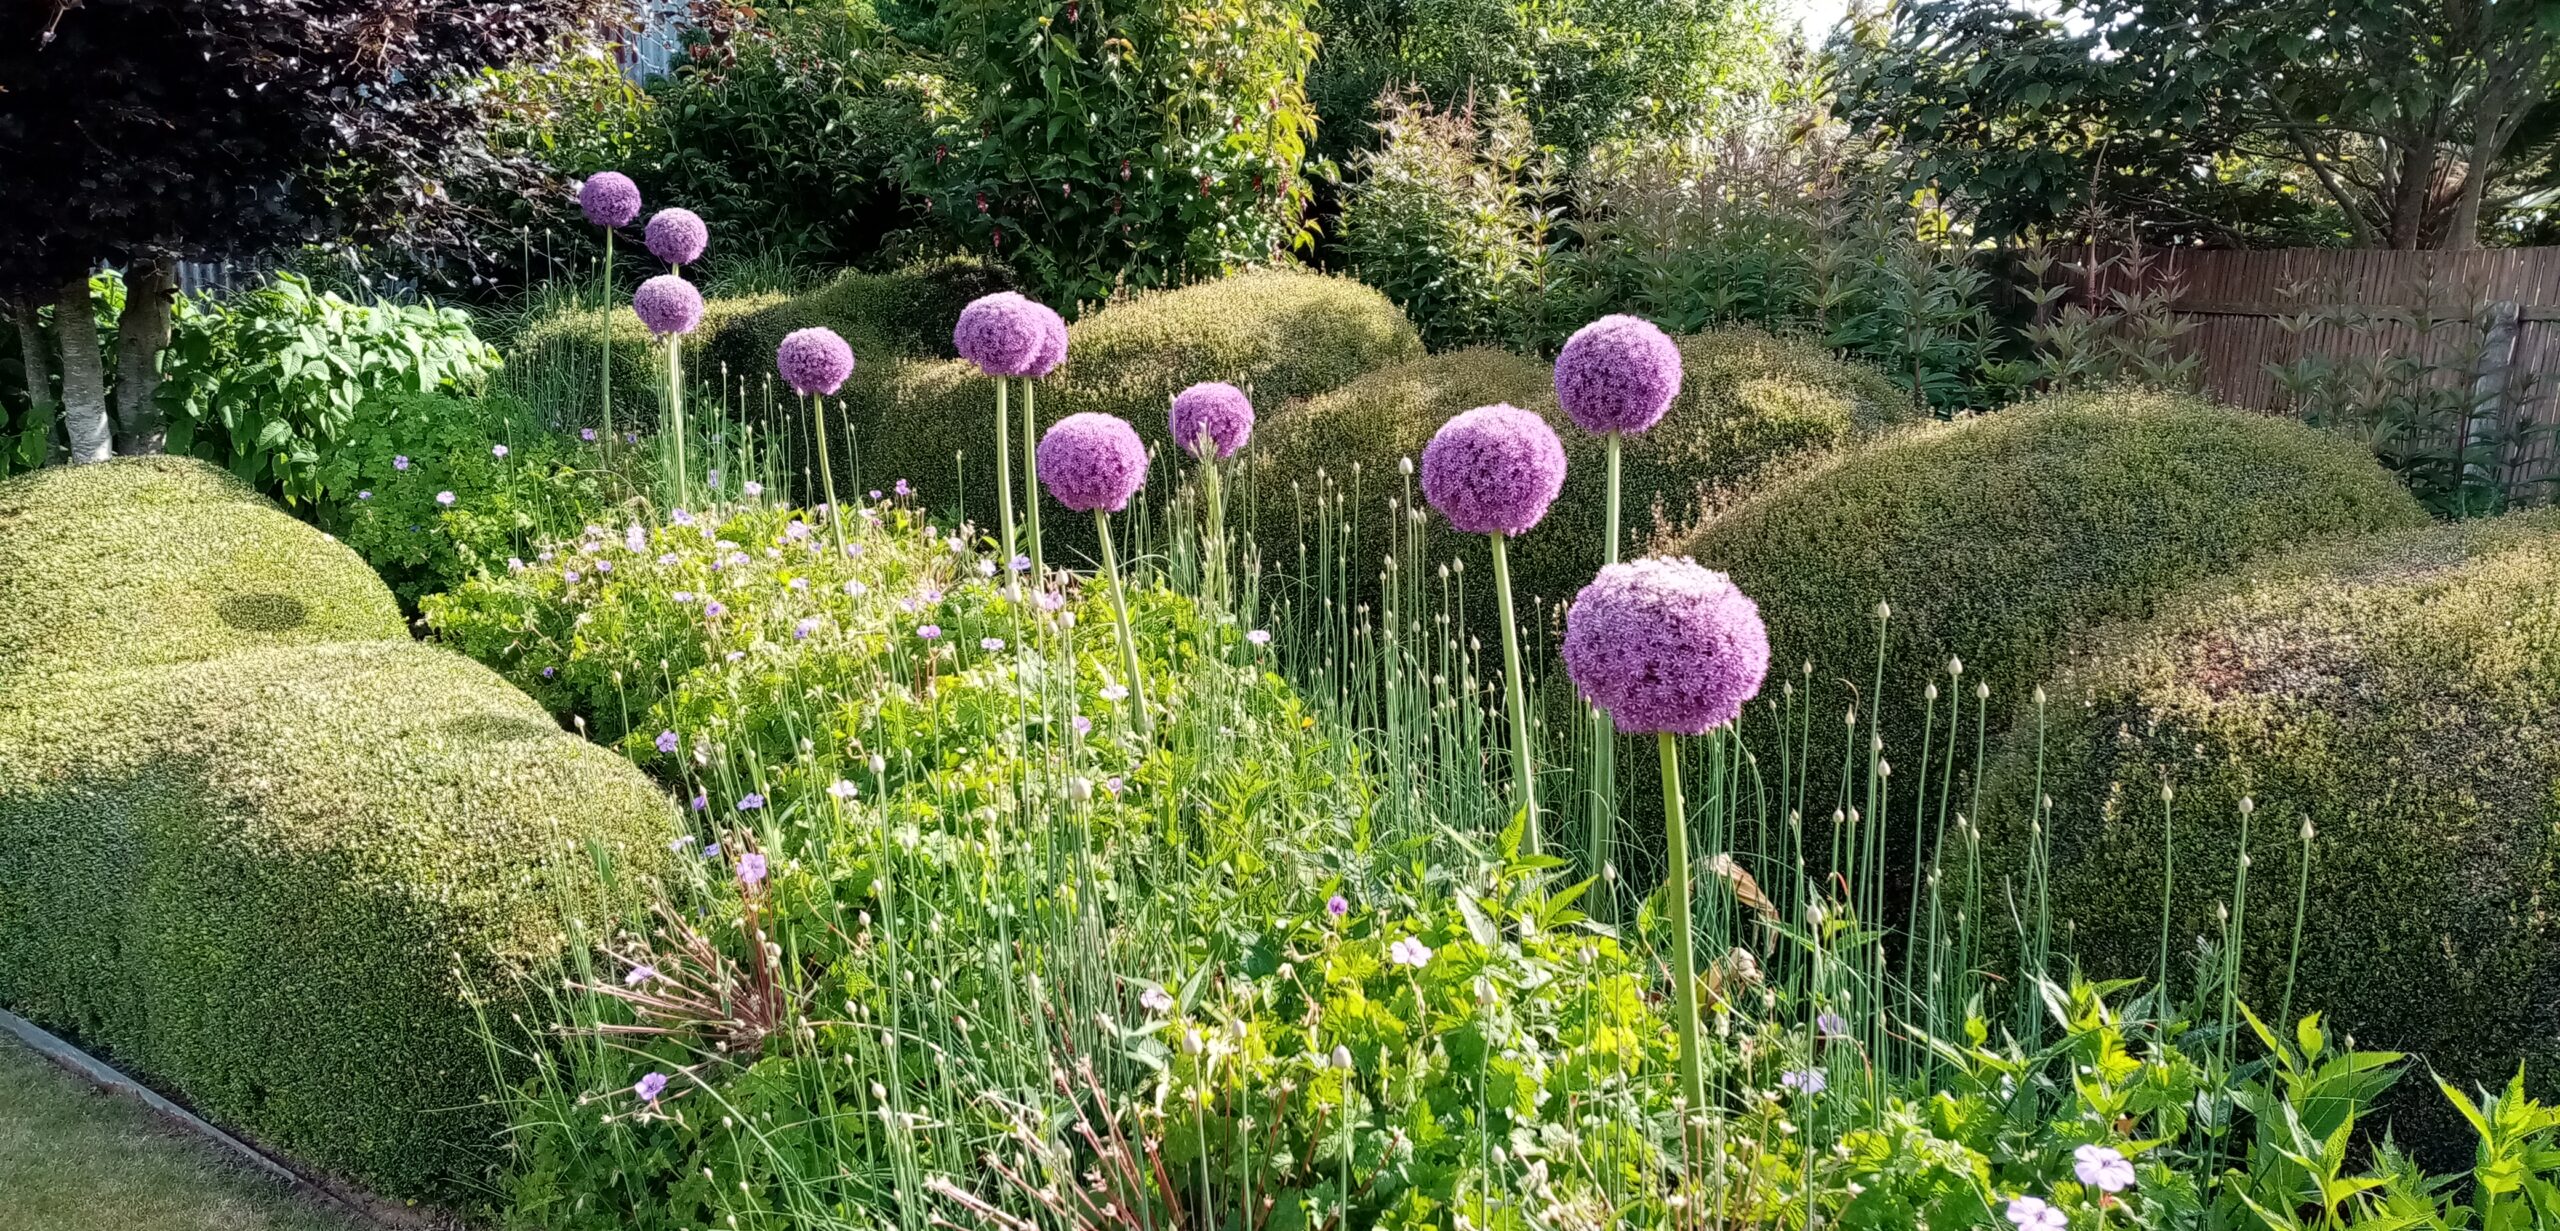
556	359
146	561
267	382
1750	402
1992	538
2401	695
1445	216
268	873
909	312
1283	335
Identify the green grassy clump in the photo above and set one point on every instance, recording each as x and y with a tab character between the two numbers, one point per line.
148	561
1993	538
2401	695
1283	335
1750	403
269	875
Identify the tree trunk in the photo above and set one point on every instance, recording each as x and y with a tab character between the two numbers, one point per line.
41	414
141	334
84	376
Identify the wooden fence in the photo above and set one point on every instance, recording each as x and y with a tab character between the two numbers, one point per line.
2436	351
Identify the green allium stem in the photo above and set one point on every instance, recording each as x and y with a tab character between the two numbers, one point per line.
1524	777
2301	903
1684	958
827	474
675	409
1004	470
1031	492
1604	735
1120	617
608	342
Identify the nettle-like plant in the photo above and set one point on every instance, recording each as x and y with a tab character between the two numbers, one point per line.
1093	144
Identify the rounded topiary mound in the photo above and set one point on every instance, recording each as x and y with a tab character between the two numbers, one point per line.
262	849
904	313
151	560
1750	403
2401	694
1279	335
1992	538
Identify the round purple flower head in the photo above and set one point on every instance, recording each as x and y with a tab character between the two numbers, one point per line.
1091	461
1493	470
1053	343
609	199
1217	409
1665	645
814	361
677	236
668	304
1617	374
1004	334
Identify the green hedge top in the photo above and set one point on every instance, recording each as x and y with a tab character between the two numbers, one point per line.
1992	538
269	882
568	346
905	313
153	560
2401	693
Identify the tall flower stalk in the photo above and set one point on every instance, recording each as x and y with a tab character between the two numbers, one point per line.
1669	648
671	308
610	200
1210	421
1493	471
816	363
1007	336
1615	376
1092	464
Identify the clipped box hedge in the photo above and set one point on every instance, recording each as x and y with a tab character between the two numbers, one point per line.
265	868
145	561
1751	404
568	346
2401	693
1993	538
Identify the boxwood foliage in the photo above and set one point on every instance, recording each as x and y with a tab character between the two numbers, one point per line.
267	869
566	348
2400	694
1284	335
1751	403
1993	538
144	561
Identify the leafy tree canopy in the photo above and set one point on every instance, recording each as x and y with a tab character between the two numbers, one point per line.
2410	123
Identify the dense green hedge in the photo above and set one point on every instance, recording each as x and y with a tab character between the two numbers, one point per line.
1283	335
265	868
568	346
907	313
146	561
1750	404
1993	538
2402	694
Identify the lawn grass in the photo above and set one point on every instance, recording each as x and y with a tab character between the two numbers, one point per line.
73	1159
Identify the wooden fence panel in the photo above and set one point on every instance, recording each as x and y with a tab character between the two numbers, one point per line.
2476	328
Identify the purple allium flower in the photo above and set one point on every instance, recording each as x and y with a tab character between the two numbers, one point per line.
1053	342
751	869
1665	645
640	974
515	564
668	742
1617	374
668	304
631	438
1090	461
814	361
750	802
2102	1168
928	632
587	434
1217	409
1004	334
445	499
2032	1214
801	630
1337	906
1493	470
712	851
651	1087
676	236
399	462
1804	1081
609	199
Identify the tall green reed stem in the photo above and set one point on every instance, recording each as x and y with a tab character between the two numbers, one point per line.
1129	665
608	344
1684	954
675	409
1004	469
